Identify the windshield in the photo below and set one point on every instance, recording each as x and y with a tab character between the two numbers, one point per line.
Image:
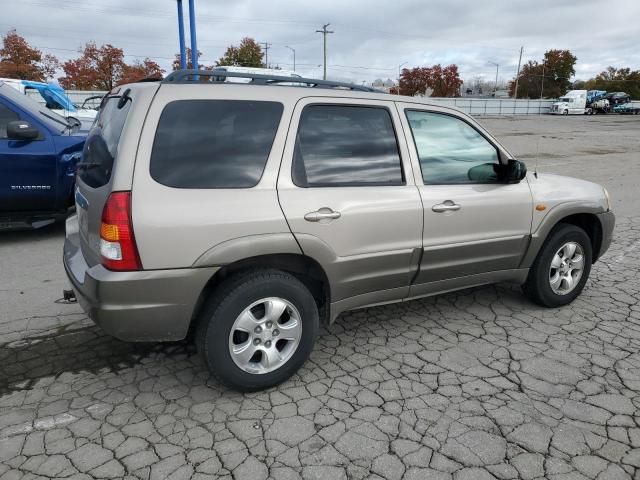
50	118
566	99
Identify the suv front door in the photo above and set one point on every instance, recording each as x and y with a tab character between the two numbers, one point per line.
474	223
348	193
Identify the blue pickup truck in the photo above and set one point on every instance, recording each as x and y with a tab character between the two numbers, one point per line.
39	151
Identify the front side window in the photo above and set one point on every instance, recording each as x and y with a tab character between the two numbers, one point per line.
341	145
6	115
204	144
451	151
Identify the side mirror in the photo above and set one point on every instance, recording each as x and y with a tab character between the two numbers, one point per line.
21	130
484	173
516	171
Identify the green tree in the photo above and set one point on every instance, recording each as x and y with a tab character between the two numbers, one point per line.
617	80
247	54
550	78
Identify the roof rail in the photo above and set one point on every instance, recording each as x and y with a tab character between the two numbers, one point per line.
219	76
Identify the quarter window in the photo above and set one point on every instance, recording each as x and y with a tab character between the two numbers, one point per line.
340	145
101	146
451	151
214	143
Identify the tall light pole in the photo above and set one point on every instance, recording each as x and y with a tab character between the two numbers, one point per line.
294	56
192	31
183	48
495	88
399	67
324	33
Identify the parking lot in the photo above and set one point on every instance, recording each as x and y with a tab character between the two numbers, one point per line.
471	385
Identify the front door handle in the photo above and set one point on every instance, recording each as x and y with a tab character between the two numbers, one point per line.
321	214
446	206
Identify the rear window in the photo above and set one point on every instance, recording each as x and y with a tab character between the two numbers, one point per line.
213	143
101	146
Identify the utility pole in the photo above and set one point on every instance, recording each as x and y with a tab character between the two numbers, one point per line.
294	56
399	74
495	88
324	33
267	46
542	82
515	94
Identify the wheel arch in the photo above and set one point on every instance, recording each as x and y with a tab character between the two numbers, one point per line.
303	267
586	218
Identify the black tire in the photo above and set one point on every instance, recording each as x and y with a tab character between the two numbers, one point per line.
222	309
537	287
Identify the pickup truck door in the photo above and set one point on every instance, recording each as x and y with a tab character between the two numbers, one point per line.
27	168
474	223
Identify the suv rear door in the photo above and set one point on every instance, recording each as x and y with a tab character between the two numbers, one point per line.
348	193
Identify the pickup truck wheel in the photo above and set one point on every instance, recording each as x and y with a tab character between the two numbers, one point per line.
258	329
562	267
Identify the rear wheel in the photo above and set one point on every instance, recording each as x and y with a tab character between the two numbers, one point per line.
562	267
258	329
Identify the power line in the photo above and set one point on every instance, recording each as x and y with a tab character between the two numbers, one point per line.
324	33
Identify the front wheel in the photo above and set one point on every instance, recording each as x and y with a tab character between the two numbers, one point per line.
565	112
562	267
258	329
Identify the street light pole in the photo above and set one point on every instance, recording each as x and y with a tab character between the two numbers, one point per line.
294	56
495	88
399	67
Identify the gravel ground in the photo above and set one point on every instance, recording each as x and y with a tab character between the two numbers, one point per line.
477	384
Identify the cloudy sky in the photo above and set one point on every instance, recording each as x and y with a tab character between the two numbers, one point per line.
371	37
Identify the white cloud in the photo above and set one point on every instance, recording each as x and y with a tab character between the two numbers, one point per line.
371	37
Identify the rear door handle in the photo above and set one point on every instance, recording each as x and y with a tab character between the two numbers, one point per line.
446	206
321	214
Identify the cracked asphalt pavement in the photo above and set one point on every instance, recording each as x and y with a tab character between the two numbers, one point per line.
472	385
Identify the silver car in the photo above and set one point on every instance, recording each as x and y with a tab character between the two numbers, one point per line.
249	213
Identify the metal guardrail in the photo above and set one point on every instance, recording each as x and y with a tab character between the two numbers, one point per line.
472	106
496	106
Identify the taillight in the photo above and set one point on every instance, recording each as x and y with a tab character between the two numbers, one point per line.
117	243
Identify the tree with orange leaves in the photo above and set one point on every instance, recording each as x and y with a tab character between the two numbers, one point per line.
21	61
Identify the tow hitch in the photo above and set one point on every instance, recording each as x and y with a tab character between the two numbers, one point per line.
69	296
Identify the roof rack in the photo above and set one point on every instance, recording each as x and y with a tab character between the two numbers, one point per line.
219	76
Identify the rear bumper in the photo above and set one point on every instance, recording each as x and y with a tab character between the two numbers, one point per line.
607	222
148	305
